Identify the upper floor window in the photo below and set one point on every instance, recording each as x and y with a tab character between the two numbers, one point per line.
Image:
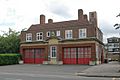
117	40
68	34
82	33
57	33
110	49
110	40
39	36
48	34
29	37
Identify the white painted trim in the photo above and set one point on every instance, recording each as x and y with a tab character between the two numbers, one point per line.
51	51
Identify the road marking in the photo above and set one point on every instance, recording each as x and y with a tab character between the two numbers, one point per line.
12	79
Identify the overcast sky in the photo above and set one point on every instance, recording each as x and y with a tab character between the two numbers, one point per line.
20	14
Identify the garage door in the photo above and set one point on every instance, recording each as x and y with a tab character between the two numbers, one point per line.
69	56
34	56
77	55
84	55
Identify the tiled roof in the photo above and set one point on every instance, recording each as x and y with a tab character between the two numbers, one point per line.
57	24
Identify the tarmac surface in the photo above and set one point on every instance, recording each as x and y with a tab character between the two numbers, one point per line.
110	69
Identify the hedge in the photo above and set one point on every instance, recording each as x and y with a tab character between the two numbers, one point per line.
9	59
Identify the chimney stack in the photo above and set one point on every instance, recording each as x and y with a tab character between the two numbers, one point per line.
85	17
93	18
50	21
80	14
42	19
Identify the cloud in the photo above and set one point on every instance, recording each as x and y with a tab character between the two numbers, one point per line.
11	12
7	24
108	30
59	9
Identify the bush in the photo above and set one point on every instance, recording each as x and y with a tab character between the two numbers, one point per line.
9	59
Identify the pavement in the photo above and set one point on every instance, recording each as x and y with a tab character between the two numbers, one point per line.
110	69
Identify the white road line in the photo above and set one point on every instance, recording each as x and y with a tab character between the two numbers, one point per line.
12	79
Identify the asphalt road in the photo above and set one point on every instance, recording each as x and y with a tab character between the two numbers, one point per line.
10	76
45	72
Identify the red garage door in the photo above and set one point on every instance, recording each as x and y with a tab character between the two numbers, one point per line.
69	56
84	55
77	55
28	56
34	56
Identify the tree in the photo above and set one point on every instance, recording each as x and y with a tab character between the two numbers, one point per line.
10	42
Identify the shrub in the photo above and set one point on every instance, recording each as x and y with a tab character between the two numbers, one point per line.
9	59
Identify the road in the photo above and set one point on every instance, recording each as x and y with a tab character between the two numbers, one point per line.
45	72
29	76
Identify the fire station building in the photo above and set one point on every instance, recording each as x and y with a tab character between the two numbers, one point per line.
69	42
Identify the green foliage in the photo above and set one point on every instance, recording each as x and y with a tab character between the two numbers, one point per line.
9	42
9	59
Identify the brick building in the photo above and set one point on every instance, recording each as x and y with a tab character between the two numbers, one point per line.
68	42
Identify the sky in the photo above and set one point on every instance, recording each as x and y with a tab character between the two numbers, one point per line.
20	14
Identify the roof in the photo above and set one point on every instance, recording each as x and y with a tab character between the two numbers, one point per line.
113	38
57	24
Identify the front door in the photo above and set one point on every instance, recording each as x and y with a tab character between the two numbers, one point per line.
53	51
53	54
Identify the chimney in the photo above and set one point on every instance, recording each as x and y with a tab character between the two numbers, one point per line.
85	17
42	19
80	14
93	18
50	21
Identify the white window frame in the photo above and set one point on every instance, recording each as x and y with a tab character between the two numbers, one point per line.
38	36
57	33
51	51
28	37
83	33
48	34
68	34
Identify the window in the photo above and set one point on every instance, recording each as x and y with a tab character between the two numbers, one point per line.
117	40
68	34
29	37
110	49
116	45
53	51
116	50
58	33
39	36
48	34
109	40
82	33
